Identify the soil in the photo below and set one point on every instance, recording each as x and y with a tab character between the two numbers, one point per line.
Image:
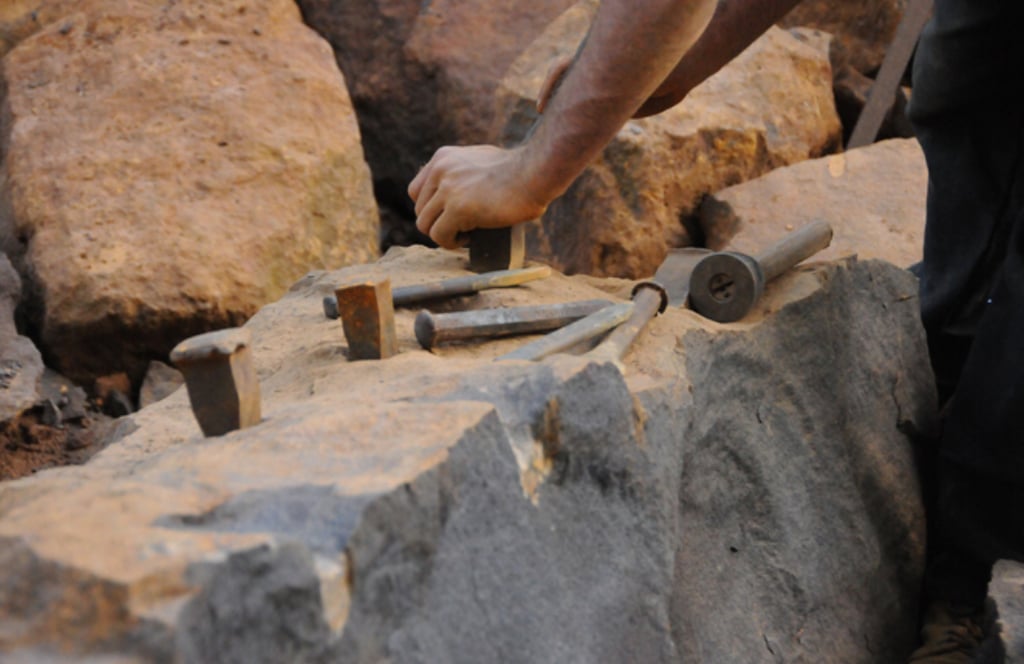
27	445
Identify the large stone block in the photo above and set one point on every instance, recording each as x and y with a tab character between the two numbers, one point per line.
874	198
169	169
731	493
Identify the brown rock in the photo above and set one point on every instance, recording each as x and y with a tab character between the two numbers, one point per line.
874	198
862	30
423	75
119	382
172	167
772	106
20	19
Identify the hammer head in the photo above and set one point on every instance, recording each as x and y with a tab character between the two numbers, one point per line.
492	249
725	286
368	318
222	384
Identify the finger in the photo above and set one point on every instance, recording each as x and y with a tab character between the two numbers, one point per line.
428	189
445	232
426	218
417	182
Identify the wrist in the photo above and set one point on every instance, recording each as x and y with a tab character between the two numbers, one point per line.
539	178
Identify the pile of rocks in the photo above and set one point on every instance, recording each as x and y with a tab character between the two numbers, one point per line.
731	493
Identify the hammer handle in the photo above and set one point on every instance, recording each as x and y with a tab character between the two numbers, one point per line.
432	329
793	248
582	330
466	285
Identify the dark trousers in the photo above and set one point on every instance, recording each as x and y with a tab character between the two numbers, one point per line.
967	106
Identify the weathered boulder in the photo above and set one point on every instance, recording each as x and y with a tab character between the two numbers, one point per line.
23	18
423	75
772	106
874	198
169	169
21	365
862	30
723	496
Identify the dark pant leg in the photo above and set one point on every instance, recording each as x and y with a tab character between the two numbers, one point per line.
969	115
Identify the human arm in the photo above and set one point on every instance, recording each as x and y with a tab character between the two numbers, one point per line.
735	25
632	47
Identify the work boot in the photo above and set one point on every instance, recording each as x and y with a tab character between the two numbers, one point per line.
950	634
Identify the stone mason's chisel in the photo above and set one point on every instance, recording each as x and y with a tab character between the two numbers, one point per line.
725	285
585	329
669	287
222	384
453	287
432	329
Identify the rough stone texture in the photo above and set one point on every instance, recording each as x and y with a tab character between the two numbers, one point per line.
423	74
874	198
1006	599
20	19
863	30
160	382
772	106
731	493
169	168
21	365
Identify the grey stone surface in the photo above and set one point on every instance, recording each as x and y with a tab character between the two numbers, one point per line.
160	382
1006	599
21	365
737	493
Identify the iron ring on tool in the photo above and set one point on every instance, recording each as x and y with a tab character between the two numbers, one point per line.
654	285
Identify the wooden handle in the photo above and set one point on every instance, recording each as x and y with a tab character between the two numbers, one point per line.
468	284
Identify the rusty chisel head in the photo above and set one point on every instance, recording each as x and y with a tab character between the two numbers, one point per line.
222	384
368	318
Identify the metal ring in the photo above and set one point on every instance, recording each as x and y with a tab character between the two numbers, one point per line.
655	286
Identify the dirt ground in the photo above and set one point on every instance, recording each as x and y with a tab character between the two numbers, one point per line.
27	445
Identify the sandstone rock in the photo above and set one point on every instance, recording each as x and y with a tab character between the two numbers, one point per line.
772	106
171	168
21	365
874	197
160	382
722	495
20	19
423	75
863	30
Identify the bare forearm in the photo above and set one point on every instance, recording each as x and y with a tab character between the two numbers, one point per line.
734	26
632	47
